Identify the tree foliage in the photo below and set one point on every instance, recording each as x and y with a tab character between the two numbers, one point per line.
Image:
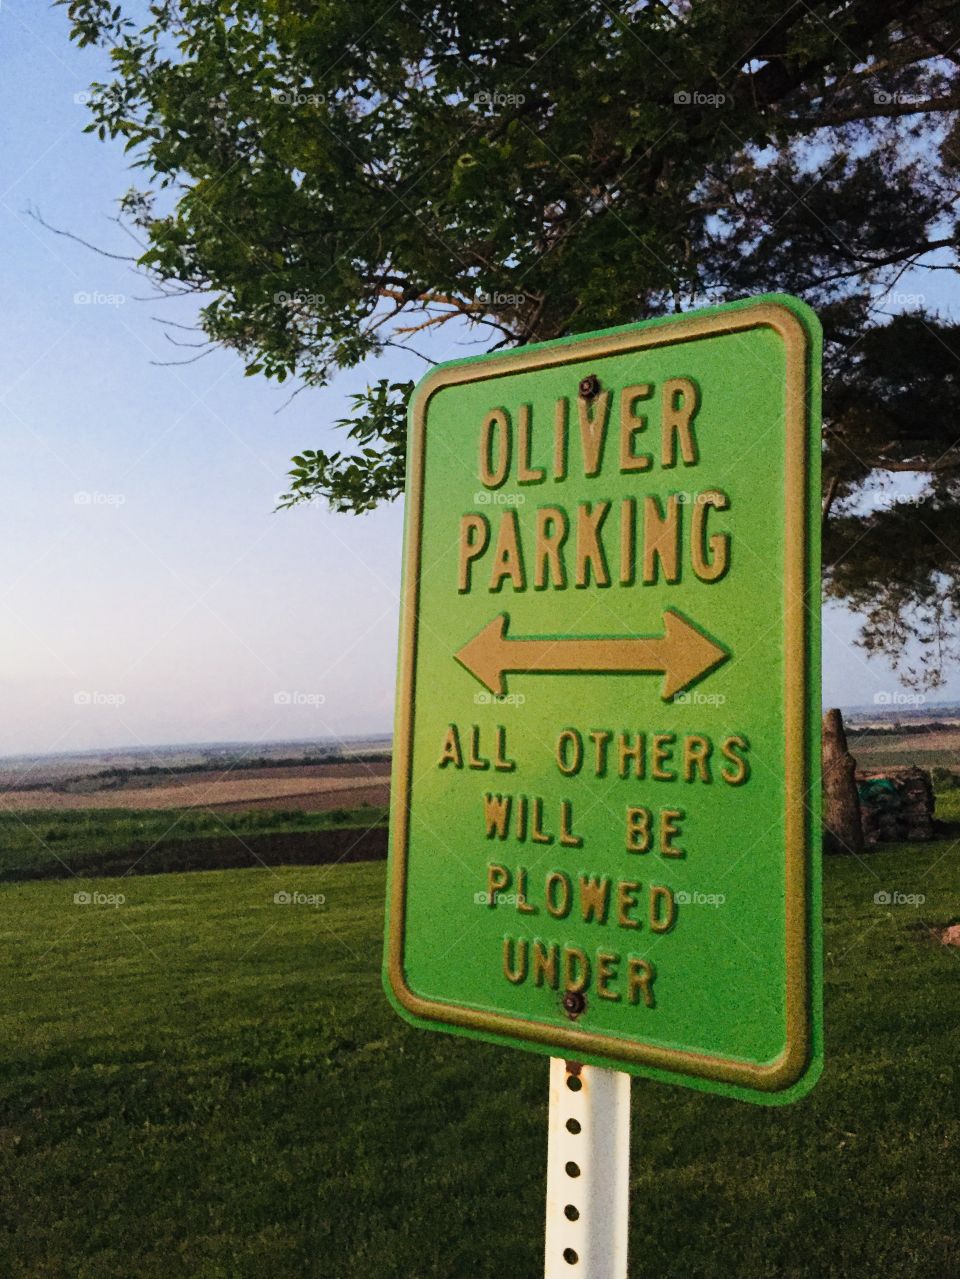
336	178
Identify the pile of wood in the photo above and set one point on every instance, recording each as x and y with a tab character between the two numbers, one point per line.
896	805
863	808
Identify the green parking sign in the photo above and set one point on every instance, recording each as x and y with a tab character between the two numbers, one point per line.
605	806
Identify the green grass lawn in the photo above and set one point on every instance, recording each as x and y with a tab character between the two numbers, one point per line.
199	1082
60	839
906	756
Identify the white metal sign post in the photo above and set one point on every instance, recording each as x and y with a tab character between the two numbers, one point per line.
588	1172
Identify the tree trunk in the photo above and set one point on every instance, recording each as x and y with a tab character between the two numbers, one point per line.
842	828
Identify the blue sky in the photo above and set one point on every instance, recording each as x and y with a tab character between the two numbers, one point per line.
149	593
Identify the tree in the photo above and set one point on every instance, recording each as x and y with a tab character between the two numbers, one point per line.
337	177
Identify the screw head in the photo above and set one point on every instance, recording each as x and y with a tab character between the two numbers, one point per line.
590	386
574	1002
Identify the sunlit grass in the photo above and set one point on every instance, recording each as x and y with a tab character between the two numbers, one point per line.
200	1082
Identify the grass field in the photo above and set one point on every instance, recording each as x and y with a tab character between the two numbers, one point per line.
199	1082
905	756
318	786
936	748
61	841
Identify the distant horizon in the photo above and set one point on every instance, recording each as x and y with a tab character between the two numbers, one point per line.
908	708
147	748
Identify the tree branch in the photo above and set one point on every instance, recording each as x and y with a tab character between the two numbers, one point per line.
880	111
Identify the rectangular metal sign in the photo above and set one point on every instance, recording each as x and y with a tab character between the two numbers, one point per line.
605	808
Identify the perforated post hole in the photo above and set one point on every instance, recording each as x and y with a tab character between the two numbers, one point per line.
587	1172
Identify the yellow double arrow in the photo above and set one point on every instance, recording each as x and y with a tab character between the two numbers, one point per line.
683	654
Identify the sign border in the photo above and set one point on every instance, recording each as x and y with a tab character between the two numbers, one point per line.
782	314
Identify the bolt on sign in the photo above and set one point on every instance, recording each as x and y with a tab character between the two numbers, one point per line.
604	829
